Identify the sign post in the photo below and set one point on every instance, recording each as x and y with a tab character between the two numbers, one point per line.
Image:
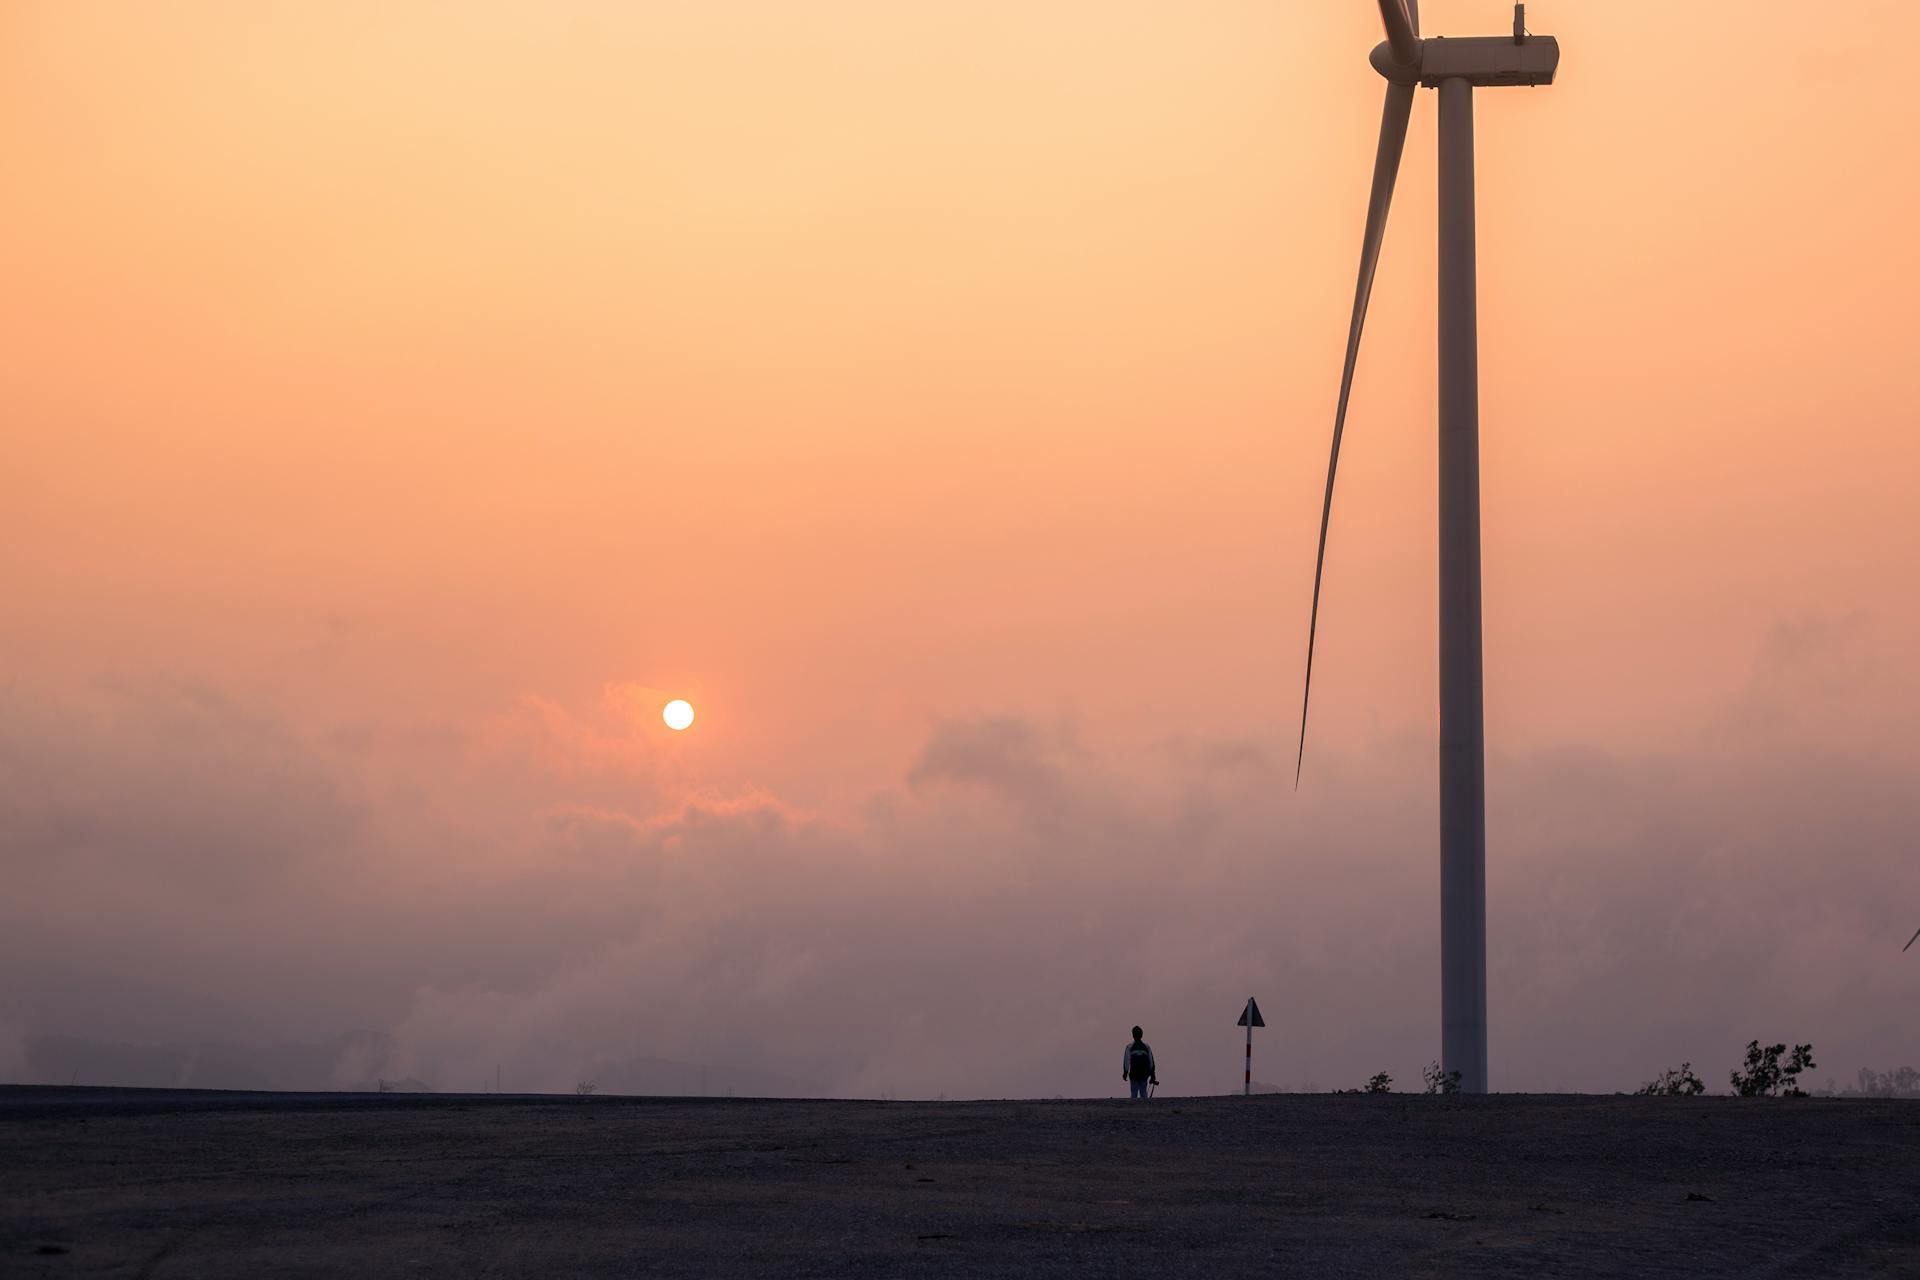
1250	1018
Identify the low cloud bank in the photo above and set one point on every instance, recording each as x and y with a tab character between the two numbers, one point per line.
201	893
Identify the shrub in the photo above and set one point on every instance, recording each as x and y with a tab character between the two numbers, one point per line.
1765	1077
1439	1081
1381	1083
1674	1084
585	1088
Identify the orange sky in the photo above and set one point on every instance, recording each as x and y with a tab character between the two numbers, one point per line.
410	374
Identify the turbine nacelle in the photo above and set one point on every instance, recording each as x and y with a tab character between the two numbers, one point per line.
1481	60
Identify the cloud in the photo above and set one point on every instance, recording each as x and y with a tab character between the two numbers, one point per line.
160	783
196	872
1004	757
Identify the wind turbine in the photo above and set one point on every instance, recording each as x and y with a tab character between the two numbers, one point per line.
1454	67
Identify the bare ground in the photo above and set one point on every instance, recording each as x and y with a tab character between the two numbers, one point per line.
158	1183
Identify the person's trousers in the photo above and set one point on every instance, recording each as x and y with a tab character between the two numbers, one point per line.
1139	1088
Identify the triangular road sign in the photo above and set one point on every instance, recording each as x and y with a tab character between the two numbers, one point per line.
1250	1016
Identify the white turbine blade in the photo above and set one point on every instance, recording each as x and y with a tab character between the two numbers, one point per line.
1386	167
1413	12
1403	30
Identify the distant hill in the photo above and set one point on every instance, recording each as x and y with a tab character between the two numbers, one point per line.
62	1059
406	1084
360	1057
668	1078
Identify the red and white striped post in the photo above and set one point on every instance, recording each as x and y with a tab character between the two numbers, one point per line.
1250	1018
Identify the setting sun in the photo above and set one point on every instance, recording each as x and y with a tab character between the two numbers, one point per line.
678	714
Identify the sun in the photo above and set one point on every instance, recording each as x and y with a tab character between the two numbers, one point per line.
678	714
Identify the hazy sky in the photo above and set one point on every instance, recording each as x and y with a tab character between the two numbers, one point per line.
400	402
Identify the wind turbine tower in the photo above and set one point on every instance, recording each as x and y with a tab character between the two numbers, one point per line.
1454	67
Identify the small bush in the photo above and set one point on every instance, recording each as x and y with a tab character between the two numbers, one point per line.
585	1088
1765	1077
1673	1084
1439	1081
1381	1083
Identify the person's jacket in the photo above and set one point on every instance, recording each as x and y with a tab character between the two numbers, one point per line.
1126	1060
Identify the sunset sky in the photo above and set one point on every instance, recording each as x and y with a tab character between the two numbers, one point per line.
400	403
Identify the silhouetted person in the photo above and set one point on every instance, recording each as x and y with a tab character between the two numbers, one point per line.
1136	1067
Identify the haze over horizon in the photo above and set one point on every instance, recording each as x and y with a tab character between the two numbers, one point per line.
399	405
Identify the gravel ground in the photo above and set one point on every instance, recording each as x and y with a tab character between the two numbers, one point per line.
161	1183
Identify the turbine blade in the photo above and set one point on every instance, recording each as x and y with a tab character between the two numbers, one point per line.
1910	941
1386	167
1402	21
